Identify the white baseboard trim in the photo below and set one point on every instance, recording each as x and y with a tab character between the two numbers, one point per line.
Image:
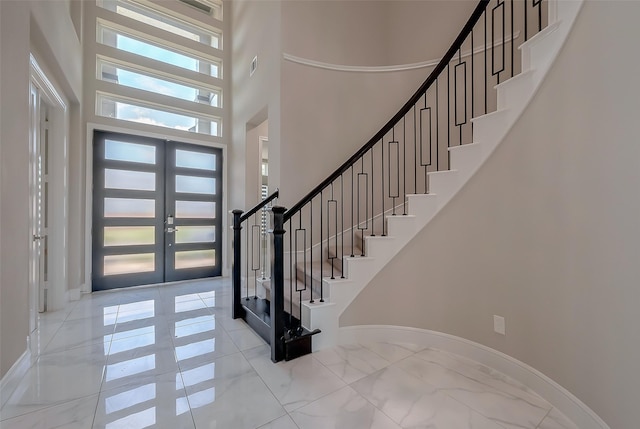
12	378
563	400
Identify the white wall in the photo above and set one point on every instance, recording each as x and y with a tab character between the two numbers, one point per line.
44	27
424	30
256	29
546	234
14	251
327	115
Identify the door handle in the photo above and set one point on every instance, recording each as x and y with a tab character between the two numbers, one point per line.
170	229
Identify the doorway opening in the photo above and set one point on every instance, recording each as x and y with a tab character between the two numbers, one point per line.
157	211
48	195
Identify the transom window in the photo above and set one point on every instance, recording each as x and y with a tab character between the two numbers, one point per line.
161	19
158	52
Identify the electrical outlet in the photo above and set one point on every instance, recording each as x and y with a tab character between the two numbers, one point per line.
499	325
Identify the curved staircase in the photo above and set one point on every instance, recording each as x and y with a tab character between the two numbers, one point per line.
321	280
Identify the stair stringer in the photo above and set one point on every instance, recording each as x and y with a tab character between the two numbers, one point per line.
513	95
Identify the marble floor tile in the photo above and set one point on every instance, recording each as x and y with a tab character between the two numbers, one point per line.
171	356
56	316
413	403
137	295
197	348
556	420
504	407
88	308
298	382
152	359
351	362
344	408
56	378
141	314
107	298
81	333
230	324
478	372
76	414
151	401
215	390
180	307
393	352
245	338
189	317
192	287
208	328
41	338
283	422
134	329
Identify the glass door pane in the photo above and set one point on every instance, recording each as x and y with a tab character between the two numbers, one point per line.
128	205
194	201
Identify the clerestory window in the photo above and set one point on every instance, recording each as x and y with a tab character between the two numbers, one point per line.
156	66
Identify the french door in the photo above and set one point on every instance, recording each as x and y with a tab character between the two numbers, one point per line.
157	211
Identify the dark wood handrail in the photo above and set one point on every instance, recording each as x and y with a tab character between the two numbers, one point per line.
466	30
260	205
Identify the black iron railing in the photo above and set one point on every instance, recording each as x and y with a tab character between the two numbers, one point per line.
330	223
255	264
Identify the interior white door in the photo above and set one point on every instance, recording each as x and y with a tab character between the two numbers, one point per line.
38	135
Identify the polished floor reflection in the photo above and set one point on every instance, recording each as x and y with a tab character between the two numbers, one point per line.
172	357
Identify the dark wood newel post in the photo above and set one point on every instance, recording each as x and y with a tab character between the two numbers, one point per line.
277	284
236	280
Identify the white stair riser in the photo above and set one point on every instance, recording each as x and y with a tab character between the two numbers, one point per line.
516	91
401	227
466	159
444	184
423	207
491	128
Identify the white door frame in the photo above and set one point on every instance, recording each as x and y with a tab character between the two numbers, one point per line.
49	104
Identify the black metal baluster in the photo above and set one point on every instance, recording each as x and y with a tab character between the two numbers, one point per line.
363	176
415	151
353	225
404	159
424	163
255	258
526	21
300	232
321	252
512	39
310	250
332	202
437	130
247	268
473	78
448	115
292	279
373	208
463	66
485	63
395	194
382	196
342	225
